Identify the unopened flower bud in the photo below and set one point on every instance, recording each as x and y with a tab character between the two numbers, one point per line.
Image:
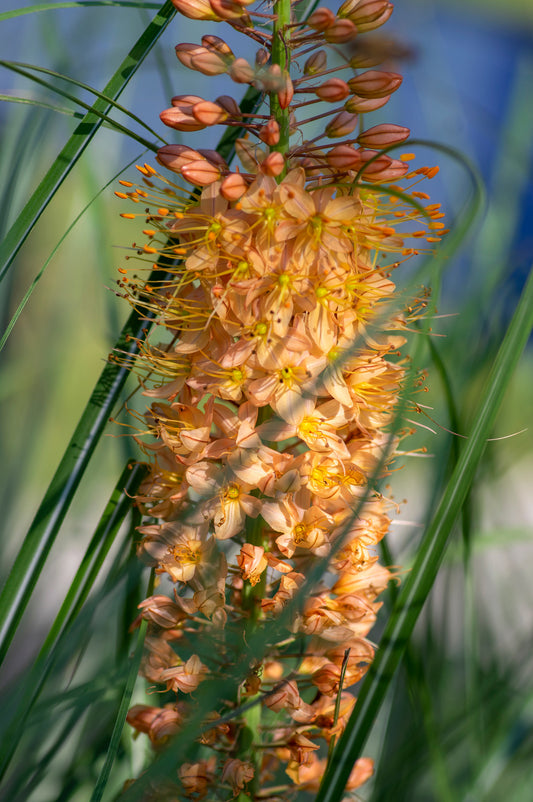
316	63
201	173
273	164
362	105
241	72
321	19
363	11
219	45
173	157
384	135
214	157
228	10
344	157
382	168
286	93
269	133
177	119
341	125
233	186
333	90
185	102
196	9
375	84
209	113
342	30
371	25
229	104
261	57
184	52
209	62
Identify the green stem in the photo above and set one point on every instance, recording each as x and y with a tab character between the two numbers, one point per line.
281	56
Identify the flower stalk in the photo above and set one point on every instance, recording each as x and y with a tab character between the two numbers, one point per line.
272	391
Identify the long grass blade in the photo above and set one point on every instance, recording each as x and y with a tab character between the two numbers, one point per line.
119	505
120	719
20	12
80	138
422	576
23	69
31	288
103	116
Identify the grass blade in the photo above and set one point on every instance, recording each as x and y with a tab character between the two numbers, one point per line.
80	138
20	12
22	69
422	576
120	719
14	718
50	515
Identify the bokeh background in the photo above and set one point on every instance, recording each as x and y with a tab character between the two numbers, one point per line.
459	724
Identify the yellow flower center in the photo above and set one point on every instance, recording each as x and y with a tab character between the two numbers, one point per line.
299	533
260	329
284	280
237	375
232	493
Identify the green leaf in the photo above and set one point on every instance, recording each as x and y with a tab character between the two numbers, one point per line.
79	140
120	719
29	291
50	515
419	582
19	12
14	718
22	69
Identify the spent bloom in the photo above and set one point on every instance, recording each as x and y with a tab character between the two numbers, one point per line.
272	384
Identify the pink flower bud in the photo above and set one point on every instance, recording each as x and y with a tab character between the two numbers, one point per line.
342	30
233	186
229	104
261	57
375	84
286	93
184	52
333	90
341	125
269	133
344	157
228	9
383	168
209	113
241	72
361	105
321	19
274	164
214	157
201	173
364	11
173	157
185	102
371	25
381	136
218	45
271	78
316	63
195	9
177	119
209	62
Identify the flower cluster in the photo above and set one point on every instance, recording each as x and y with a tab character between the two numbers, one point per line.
274	383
